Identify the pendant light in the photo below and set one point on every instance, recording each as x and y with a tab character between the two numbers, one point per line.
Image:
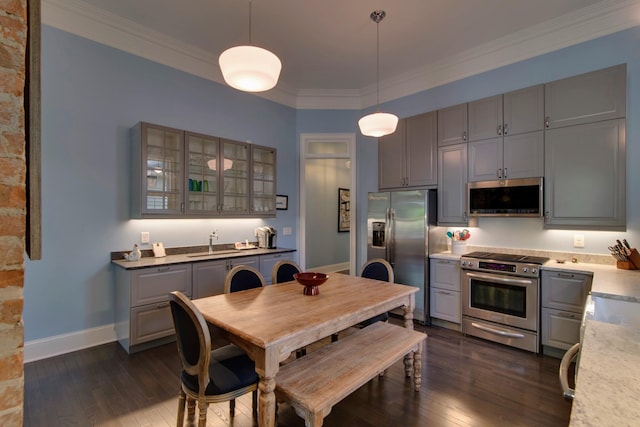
250	68
378	124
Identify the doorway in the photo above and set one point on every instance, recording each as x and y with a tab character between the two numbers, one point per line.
327	238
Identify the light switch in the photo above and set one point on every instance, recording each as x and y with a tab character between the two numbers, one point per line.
578	240
144	237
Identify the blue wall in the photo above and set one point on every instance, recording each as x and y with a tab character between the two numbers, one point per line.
93	94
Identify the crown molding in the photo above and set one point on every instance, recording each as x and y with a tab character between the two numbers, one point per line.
84	20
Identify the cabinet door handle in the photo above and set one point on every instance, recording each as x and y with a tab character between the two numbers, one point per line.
546	122
464	136
499	130
505	128
499	173
505	173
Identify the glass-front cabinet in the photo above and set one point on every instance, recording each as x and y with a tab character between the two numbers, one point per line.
159	162
263	199
235	177
202	166
185	174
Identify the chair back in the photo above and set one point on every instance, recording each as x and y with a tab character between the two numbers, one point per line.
283	271
241	278
379	269
194	345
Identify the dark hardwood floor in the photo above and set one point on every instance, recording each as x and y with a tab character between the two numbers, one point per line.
466	382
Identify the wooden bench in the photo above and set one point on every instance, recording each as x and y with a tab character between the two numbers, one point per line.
314	383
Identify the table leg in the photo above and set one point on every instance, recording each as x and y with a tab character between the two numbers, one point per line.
408	323
417	367
267	402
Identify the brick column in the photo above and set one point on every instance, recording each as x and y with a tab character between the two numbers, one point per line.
13	38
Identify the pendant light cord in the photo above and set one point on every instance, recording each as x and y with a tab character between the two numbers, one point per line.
250	23
378	64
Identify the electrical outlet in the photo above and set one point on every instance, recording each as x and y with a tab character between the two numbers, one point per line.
144	237
286	231
578	240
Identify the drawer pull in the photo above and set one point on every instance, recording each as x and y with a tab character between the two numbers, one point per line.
444	293
567	315
164	268
162	305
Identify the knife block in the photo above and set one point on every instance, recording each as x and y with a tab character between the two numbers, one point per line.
632	264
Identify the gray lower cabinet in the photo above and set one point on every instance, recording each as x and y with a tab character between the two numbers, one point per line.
209	276
444	292
452	185
142	307
268	261
563	295
586	98
585	176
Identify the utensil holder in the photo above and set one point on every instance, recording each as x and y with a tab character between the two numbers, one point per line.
458	247
632	264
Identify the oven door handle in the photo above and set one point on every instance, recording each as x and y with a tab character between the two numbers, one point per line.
507	280
497	331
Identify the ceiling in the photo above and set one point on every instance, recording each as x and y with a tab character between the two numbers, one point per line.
328	47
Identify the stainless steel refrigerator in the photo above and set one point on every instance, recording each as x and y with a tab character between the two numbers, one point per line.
401	228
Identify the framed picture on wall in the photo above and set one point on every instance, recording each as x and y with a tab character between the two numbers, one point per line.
282	202
344	209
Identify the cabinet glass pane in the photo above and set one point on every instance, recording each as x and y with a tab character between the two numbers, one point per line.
202	184
164	170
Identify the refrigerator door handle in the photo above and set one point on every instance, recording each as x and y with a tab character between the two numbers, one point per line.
392	241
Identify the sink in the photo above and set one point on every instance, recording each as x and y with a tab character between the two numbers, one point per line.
214	253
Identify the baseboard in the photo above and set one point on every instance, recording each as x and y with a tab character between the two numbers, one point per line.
66	343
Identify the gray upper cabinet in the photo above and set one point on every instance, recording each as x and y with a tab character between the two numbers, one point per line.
178	174
452	185
506	135
510	157
408	157
595	96
585	176
157	159
513	113
453	125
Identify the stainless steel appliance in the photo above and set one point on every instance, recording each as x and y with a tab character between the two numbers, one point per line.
507	197
401	228
500	298
266	237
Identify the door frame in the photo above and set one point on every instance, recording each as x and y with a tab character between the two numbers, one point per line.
350	140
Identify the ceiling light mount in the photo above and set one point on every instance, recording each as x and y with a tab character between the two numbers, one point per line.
250	68
378	124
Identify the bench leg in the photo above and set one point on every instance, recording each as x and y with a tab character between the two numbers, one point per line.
417	367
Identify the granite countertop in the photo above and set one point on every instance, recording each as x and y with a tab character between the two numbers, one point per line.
608	383
151	261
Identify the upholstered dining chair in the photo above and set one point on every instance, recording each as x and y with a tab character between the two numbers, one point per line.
241	278
379	269
207	376
283	271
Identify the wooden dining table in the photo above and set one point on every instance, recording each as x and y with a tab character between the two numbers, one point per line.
271	322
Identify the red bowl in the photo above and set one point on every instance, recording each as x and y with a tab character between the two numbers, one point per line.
311	281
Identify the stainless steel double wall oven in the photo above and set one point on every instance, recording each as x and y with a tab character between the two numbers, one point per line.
500	295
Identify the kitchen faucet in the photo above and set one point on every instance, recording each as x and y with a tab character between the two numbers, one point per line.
213	234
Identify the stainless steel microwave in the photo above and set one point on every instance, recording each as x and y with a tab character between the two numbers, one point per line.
508	197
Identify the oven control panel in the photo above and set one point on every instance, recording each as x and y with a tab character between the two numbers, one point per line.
511	268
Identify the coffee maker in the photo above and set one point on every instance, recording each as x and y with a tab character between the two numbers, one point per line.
266	237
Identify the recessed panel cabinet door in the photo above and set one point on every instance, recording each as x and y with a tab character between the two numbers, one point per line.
422	152
391	158
595	96
452	125
452	185
585	176
485	118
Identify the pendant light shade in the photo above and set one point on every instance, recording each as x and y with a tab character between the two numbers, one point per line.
378	124
250	68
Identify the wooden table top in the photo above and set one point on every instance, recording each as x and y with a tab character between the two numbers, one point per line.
276	313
